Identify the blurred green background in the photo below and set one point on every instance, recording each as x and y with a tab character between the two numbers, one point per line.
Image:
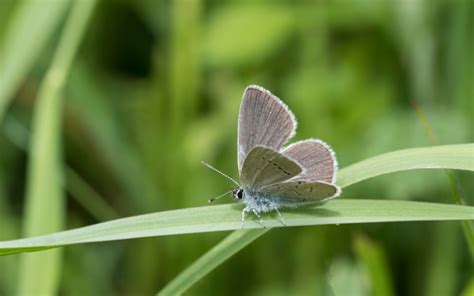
155	88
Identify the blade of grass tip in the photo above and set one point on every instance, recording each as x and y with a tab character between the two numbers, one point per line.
453	183
79	189
233	243
30	27
347	176
39	273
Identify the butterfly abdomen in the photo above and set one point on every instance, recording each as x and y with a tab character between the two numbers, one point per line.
264	203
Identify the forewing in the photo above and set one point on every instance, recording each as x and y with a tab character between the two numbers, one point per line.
294	193
263	120
317	159
264	166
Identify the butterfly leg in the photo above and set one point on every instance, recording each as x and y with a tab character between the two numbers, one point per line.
245	210
259	217
281	217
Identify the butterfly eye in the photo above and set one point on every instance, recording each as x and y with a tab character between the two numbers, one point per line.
238	193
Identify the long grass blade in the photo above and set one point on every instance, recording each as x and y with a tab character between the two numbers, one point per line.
227	217
39	273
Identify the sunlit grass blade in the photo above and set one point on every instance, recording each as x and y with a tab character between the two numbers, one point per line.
39	273
460	157
227	217
213	258
28	30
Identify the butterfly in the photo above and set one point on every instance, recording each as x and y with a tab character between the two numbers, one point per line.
273	176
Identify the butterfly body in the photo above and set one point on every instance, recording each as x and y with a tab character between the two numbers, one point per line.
267	202
257	202
260	203
263	202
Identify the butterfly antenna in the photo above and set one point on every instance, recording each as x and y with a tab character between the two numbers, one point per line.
219	172
217	197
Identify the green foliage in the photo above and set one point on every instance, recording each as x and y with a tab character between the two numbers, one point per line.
267	28
348	278
226	217
155	88
373	258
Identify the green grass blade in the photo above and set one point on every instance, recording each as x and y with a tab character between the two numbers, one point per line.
233	243
458	157
416	158
27	33
39	273
227	217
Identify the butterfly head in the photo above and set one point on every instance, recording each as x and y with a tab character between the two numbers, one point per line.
238	193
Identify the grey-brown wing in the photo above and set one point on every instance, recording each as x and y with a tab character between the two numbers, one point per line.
317	159
264	166
295	193
263	120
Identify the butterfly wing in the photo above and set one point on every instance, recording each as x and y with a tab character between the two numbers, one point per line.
264	166
317	159
296	193
263	120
